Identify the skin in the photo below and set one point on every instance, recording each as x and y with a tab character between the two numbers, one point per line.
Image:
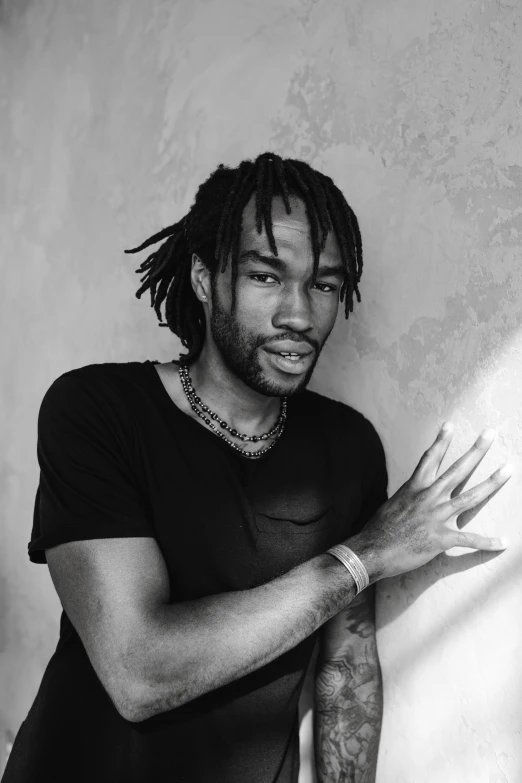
233	374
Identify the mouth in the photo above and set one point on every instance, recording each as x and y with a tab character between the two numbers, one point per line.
295	365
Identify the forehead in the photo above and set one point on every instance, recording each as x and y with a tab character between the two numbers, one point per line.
291	232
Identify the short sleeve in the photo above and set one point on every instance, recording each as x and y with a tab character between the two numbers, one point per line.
88	488
375	476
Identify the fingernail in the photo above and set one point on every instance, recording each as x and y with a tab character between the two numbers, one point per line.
446	427
503	542
489	434
505	470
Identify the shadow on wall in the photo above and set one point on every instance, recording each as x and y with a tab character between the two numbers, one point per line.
432	574
443	565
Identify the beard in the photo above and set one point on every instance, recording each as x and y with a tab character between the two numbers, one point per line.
241	350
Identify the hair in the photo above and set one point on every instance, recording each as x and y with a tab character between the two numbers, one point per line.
212	229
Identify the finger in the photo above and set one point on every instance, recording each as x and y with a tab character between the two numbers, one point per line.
481	492
476	541
448	431
470	513
461	469
428	465
458	489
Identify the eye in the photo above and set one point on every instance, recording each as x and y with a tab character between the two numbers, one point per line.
324	287
331	288
261	274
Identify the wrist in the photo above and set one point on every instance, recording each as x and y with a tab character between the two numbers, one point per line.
368	555
353	565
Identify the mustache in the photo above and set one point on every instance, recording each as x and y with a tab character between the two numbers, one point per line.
288	338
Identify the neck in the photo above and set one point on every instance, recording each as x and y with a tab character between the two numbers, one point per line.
240	406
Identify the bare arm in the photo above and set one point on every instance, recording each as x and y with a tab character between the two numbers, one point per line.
348	696
152	656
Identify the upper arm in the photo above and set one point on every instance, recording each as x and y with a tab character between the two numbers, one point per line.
351	633
374	478
90	484
110	589
92	524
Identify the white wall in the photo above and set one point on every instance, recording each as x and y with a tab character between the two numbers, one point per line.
111	115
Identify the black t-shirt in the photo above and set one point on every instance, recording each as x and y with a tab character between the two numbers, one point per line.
118	458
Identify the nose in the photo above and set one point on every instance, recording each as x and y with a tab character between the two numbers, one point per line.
294	312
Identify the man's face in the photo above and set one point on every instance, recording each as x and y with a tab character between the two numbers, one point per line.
278	308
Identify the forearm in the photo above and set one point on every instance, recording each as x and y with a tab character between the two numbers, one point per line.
194	647
348	712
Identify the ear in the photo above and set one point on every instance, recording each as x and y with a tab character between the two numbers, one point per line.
200	278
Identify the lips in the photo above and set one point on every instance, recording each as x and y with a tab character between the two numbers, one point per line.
292	366
289	347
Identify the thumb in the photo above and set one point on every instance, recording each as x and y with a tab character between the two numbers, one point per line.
476	541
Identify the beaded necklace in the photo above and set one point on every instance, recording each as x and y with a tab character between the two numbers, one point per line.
194	401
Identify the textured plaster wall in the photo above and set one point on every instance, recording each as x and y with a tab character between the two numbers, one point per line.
112	113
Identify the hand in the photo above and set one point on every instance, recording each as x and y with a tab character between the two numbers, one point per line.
420	520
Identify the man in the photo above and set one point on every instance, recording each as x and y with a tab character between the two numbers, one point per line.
206	522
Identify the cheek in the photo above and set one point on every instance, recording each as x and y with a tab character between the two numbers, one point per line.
253	319
326	313
254	306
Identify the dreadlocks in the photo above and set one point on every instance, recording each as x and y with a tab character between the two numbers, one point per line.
212	230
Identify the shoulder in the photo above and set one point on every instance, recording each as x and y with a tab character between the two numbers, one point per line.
339	413
108	375
92	390
347	428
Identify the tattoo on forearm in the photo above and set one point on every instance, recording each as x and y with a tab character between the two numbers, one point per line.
348	707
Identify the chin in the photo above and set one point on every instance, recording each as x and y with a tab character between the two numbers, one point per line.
292	384
261	377
278	383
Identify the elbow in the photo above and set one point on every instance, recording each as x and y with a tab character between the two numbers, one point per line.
137	711
128	698
142	689
136	702
133	713
127	691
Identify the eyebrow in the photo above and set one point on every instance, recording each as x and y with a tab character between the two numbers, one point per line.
325	270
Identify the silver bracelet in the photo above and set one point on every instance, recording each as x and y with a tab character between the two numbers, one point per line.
354	565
